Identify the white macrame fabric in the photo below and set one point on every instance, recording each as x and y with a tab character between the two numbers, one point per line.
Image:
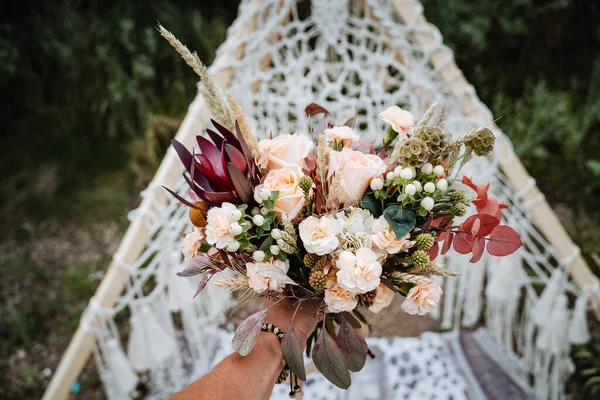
345	56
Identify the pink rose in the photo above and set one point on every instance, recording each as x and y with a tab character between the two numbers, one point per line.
357	170
291	196
342	134
284	150
422	298
383	298
260	283
400	120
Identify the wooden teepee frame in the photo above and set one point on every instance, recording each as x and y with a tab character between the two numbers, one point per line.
169	172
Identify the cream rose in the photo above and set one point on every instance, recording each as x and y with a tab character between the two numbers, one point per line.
422	298
260	283
284	150
319	235
191	243
384	237
342	134
383	298
401	120
337	298
218	221
291	196
360	272
357	170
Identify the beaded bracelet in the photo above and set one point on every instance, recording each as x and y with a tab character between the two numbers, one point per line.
294	388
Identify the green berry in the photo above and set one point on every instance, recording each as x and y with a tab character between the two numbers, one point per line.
424	241
458	196
459	210
419	259
305	184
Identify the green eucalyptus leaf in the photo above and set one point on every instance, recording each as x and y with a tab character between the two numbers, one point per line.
402	220
330	361
353	346
292	352
370	203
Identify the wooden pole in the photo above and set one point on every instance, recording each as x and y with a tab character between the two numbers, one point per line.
541	213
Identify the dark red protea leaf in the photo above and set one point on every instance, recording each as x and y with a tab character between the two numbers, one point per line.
227	134
214	157
236	157
242	185
197	190
246	152
314	109
215	137
219	198
181	199
184	155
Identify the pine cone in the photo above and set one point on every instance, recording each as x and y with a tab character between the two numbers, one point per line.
310	260
317	281
419	259
368	298
198	217
424	241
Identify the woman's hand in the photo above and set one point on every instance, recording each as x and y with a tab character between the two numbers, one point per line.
282	312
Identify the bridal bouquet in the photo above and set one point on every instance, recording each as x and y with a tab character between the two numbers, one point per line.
325	217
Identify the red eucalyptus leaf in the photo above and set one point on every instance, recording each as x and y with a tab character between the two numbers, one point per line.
448	239
480	224
314	109
205	278
353	346
330	361
478	248
292	353
433	251
503	241
246	334
463	242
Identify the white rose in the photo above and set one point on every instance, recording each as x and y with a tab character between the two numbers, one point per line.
261	284
422	298
284	150
219	219
342	134
357	220
401	121
291	196
191	243
360	272
357	170
337	298
383	298
385	238
319	235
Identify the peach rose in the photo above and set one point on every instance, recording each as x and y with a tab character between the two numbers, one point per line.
383	298
284	150
357	170
337	298
342	134
360	272
400	120
384	237
422	298
260	283
291	196
191	243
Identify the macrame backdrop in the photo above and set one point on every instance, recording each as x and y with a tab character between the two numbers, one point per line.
280	56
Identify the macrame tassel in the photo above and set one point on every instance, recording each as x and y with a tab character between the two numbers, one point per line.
149	345
122	375
578	328
181	292
541	310
554	333
473	295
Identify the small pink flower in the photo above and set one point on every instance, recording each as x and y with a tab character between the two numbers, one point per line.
422	298
337	298
383	297
360	272
401	120
342	134
260	283
191	243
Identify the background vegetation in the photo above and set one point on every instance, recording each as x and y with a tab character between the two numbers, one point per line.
92	95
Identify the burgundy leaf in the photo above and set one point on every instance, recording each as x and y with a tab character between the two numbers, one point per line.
216	138
227	134
236	157
389	284
244	147
478	248
240	182
448	239
433	251
246	334
205	278
213	155
427	225
503	241
463	242
181	199
353	321
292	353
353	346
219	198
184	155
330	361
352	121
314	109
